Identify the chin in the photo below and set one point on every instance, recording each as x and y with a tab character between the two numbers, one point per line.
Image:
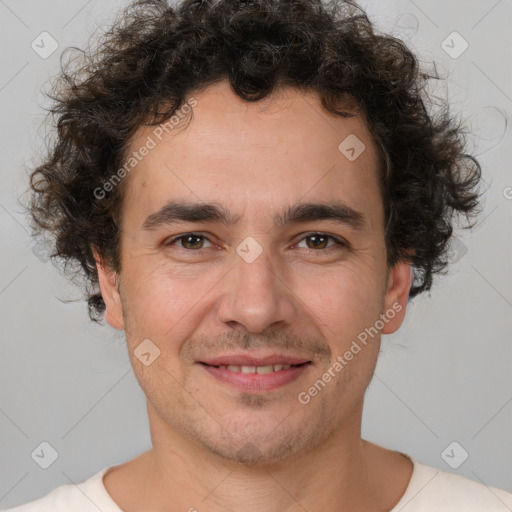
261	443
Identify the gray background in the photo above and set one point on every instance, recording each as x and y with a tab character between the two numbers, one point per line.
444	377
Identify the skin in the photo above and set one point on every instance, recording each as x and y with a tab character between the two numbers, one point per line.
217	448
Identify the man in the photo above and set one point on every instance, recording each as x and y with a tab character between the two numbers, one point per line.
254	190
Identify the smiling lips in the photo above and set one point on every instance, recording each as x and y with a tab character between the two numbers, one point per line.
254	360
250	373
256	369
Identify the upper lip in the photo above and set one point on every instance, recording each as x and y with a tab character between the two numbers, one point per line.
253	360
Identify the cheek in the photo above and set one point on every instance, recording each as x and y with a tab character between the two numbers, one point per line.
344	302
162	304
168	302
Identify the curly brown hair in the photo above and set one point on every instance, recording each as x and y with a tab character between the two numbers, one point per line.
154	55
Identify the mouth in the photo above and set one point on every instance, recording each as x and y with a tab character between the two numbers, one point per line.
256	377
261	370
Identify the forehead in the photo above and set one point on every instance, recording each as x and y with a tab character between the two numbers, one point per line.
261	154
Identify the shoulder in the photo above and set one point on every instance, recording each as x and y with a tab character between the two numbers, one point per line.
433	489
88	496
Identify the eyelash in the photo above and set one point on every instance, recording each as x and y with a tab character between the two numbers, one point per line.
340	243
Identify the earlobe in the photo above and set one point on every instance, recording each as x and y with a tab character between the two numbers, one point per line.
397	295
107	279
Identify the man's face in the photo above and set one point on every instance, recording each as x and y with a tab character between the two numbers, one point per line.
299	291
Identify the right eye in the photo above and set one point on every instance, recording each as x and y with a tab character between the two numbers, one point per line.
188	241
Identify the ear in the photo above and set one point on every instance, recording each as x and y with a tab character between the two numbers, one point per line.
109	291
397	295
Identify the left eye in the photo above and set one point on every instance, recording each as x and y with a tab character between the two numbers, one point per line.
319	241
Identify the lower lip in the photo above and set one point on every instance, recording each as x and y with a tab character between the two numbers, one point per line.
257	381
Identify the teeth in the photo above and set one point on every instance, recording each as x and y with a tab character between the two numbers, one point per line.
265	369
256	369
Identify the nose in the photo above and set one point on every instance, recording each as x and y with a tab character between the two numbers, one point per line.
257	296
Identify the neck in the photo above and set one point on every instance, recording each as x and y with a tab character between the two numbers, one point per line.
178	471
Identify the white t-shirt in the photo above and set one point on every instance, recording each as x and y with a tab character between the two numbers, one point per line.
429	490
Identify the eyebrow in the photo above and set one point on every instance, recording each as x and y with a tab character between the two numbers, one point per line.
186	211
